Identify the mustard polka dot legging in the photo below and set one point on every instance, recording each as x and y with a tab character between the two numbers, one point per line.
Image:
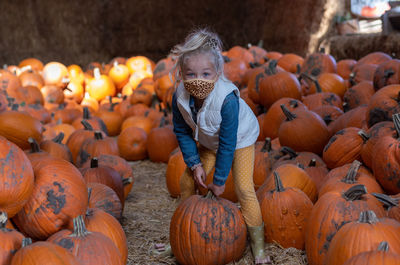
242	172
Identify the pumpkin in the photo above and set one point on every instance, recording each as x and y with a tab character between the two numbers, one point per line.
11	240
321	98
192	233
132	144
285	212
383	104
89	247
53	130
316	173
343	147
163	84
104	175
138	109
52	94
17	127
43	253
240	53
328	113
103	197
326	82
76	74
291	176
274	116
59	195
368	231
303	130
277	85
290	62
330	213
33	63
372	136
56	148
175	168
234	70
162	134
74	91
96	122
100	86
229	192
264	159
30	78
119	74
9	81
139	63
16	177
358	95
163	67
336	181
288	156
142	122
318	63
141	95
385	163
364	72
352	118
374	58
66	115
55	74
97	220
90	102
258	53
345	67
120	165
390	204
111	119
387	73
381	256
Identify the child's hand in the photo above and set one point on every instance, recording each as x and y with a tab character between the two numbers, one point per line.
199	176
217	190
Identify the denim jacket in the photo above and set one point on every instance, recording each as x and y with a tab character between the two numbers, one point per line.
227	136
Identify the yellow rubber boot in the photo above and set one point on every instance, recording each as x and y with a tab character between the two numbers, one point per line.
257	244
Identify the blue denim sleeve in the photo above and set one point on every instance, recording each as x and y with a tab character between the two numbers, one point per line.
227	138
184	134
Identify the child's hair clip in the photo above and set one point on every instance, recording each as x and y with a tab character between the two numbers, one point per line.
212	43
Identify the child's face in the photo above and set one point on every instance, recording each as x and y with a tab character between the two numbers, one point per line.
199	66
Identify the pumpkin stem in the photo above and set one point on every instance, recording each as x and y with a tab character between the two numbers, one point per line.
388	202
86	113
79	227
289	115
271	70
89	191
3	219
293	103
58	139
300	165
26	241
313	79
322	50
34	145
209	195
162	122
14	107
398	97
368	217
396	121
94	162
365	136
267	145
313	163
289	151
278	182
127	181
227	59
96	73
350	177
355	192
383	246
298	68
86	125
98	135
388	73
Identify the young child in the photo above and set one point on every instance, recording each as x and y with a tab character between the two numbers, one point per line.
207	109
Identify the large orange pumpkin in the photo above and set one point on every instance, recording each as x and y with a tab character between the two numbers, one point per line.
100	86
59	195
207	230
163	134
380	256
132	144
89	247
104	198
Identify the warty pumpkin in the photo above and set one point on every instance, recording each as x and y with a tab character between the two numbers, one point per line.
210	242
103	197
11	240
380	256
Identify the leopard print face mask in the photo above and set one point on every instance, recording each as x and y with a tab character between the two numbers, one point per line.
199	88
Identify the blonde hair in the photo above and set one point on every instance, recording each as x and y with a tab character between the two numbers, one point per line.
198	41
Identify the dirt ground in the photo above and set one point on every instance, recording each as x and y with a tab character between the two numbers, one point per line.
147	214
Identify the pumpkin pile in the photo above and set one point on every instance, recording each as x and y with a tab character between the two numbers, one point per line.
326	164
326	161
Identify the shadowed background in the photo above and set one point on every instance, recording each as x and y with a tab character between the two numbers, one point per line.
98	30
